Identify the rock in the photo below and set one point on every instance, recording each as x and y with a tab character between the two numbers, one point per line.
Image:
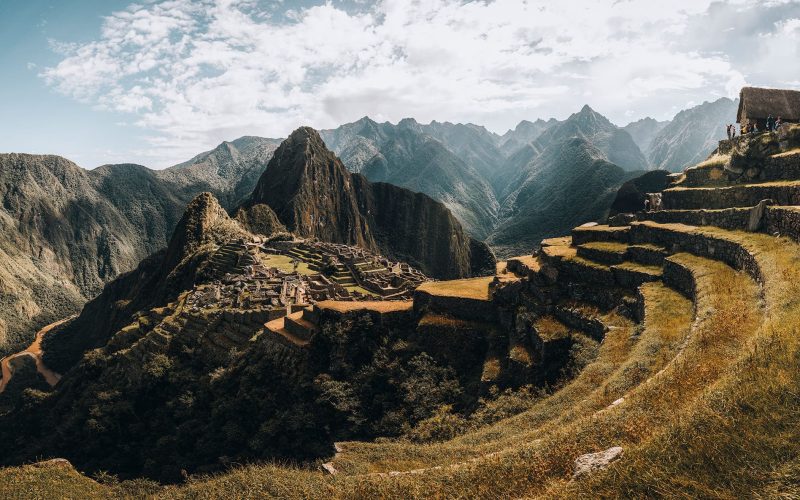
593	462
621	220
54	462
329	468
757	215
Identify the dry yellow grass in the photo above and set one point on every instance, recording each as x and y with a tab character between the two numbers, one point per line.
381	306
791	152
606	246
471	288
549	328
284	263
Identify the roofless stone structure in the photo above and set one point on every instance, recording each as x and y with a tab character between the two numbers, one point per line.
757	104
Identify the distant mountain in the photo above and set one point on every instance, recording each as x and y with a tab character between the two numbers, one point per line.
524	133
614	143
692	135
314	195
68	231
570	183
230	170
644	131
608	141
409	156
473	144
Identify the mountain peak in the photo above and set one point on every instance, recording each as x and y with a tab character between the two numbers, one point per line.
311	191
203	217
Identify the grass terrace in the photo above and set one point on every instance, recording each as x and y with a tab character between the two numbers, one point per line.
284	263
471	288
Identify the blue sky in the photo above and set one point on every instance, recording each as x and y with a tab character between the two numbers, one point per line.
157	81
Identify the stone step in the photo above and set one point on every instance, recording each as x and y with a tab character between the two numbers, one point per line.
647	254
632	275
587	234
299	327
604	252
525	266
278	327
586	271
581	317
726	218
708	242
744	195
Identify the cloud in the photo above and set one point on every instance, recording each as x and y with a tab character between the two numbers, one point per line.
196	72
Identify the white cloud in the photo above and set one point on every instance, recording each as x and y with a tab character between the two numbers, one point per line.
197	72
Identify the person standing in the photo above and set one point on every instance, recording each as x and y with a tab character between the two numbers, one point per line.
770	123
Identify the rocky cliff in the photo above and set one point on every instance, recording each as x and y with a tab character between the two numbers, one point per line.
570	183
692	135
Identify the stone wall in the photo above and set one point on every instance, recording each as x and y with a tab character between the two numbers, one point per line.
783	221
732	196
728	218
699	244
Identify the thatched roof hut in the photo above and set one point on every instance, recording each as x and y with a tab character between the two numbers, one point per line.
756	104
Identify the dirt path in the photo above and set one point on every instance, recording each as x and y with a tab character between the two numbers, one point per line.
34	351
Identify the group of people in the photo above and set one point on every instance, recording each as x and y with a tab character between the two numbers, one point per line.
752	128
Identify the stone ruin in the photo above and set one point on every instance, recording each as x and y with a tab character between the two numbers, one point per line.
355	267
240	281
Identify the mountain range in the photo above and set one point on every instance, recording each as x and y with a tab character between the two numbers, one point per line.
69	231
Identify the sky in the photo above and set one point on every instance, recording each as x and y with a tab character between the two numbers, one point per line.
157	82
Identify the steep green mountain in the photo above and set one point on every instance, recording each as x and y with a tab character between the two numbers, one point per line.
314	195
473	144
692	135
644	131
614	143
68	231
524	133
230	170
569	184
407	155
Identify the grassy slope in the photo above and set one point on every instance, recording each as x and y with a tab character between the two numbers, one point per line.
709	410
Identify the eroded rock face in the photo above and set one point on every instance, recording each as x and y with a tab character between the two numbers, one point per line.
592	462
313	195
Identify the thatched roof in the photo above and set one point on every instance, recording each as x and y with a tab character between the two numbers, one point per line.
757	104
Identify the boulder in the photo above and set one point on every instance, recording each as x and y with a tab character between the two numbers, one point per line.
593	462
54	462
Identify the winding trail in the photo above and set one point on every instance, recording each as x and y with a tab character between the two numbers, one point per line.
34	351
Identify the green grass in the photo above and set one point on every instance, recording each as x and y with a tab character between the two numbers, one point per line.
284	263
